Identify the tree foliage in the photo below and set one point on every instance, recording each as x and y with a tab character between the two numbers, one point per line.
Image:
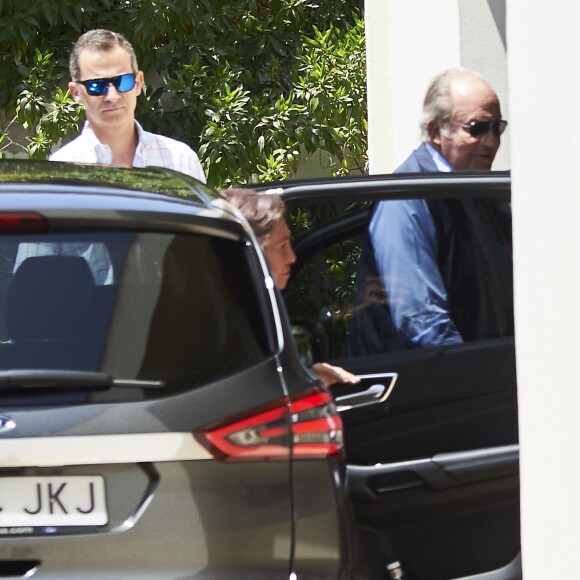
252	85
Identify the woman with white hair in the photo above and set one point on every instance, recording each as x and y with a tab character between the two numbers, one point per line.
266	214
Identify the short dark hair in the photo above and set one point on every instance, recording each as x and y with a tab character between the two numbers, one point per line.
99	39
261	210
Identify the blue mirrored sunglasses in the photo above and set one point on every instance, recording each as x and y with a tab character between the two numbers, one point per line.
98	87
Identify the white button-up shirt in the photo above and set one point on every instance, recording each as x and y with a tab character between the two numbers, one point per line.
152	150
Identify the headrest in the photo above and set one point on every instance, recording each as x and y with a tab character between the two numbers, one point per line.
49	297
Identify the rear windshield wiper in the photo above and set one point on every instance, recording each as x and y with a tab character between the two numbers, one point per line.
67	379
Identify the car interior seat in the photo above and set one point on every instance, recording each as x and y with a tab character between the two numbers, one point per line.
50	314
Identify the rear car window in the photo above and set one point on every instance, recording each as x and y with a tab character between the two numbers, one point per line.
177	310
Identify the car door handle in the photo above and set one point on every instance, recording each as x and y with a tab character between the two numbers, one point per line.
18	568
374	395
446	470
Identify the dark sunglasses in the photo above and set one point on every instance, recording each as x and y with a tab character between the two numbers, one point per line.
98	87
480	128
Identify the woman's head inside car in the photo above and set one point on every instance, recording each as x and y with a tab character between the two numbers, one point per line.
266	214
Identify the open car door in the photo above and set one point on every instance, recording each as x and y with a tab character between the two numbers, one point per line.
431	434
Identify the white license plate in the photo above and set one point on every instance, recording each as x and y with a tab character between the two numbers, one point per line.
53	501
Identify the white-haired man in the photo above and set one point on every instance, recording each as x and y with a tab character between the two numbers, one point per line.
439	272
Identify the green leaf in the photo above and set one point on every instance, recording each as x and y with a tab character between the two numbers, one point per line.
221	76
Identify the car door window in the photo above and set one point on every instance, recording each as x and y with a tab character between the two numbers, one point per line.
320	297
334	301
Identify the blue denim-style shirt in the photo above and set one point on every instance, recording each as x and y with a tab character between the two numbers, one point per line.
404	239
401	299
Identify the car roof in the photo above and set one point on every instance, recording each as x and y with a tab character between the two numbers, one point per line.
111	196
106	178
455	184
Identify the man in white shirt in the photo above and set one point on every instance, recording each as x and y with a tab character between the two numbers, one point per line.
106	80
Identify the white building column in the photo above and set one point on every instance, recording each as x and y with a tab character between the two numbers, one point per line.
544	51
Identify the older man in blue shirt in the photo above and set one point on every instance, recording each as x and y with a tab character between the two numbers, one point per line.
417	282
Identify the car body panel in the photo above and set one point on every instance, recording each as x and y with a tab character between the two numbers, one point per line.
176	507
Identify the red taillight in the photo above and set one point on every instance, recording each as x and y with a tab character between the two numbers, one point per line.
307	428
22	222
316	427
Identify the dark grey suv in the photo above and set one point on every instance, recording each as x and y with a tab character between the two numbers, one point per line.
155	419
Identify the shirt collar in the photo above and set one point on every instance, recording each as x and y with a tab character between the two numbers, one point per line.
139	159
103	151
89	134
438	159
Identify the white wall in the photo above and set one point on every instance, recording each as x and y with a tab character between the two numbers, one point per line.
379	94
411	41
544	51
428	44
484	49
402	58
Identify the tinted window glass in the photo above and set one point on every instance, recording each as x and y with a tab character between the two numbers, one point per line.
331	297
180	309
320	295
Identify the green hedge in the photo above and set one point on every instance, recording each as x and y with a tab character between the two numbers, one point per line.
251	85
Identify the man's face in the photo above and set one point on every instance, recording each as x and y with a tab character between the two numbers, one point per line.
279	253
473	100
113	110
